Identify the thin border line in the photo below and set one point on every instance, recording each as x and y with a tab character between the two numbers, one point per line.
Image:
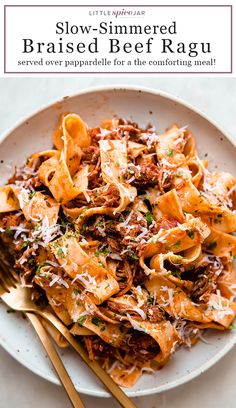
118	5
122	72
5	39
231	33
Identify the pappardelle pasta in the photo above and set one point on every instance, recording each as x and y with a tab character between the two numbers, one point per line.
128	237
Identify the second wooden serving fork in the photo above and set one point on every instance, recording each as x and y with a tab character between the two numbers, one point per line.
19	298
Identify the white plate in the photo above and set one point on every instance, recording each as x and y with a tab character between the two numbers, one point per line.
34	134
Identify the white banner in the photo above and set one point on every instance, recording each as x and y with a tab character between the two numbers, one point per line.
117	39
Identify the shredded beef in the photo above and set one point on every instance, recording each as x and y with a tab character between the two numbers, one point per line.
139	276
155	314
129	128
142	175
109	197
164	180
206	282
113	244
137	342
90	154
130	232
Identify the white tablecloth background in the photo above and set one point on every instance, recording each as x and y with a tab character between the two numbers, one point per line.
216	97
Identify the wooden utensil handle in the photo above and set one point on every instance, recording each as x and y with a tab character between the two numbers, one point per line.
114	389
56	361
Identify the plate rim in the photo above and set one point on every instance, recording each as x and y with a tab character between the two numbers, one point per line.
120	87
139	393
166	95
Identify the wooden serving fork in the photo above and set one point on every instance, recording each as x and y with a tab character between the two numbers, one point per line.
8	283
19	299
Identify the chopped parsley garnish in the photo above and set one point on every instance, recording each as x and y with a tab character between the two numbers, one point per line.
37	272
150	300
83	228
44	275
25	244
81	320
190	234
177	274
60	252
177	244
103	250
32	194
212	245
133	256
32	263
70	235
179	174
178	259
65	222
169	152
218	219
149	217
9	232
76	291
96	321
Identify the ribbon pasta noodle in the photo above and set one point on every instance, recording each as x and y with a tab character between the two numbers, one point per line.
128	237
